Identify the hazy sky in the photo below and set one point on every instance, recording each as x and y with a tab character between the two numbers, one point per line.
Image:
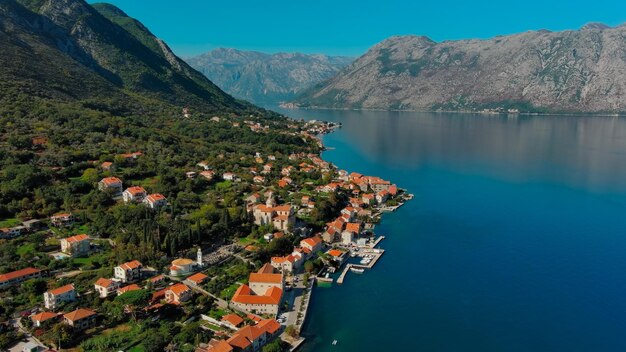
350	27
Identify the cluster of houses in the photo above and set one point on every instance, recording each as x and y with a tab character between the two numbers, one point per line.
246	338
133	194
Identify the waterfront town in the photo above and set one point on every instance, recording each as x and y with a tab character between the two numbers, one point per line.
308	223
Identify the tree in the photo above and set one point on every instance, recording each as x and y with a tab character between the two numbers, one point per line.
274	346
291	331
309	266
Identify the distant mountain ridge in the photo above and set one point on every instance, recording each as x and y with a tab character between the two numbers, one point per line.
537	71
266	78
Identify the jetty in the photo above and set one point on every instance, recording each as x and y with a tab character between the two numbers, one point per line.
377	253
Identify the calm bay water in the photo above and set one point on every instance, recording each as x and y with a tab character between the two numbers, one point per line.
515	241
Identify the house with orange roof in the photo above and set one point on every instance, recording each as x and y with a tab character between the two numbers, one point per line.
107	166
155	201
258	179
178	294
62	219
112	185
282	217
313	244
208	174
106	287
286	264
129	288
134	194
254	337
43	318
369	198
331	234
337	255
19	276
232	320
55	297
80	319
157	280
196	279
382	196
76	246
129	271
353	227
263	293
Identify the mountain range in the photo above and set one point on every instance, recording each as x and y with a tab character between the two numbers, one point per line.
537	71
266	78
68	50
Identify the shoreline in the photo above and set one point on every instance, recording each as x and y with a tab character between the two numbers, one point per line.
371	248
473	112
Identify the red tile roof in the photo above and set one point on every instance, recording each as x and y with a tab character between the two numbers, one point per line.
131	265
312	241
110	180
129	288
335	252
18	273
234	319
104	282
134	190
78	314
197	278
155	197
244	295
179	289
77	238
43	316
61	290
266	278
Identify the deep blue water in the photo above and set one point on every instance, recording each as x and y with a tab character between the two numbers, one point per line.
515	241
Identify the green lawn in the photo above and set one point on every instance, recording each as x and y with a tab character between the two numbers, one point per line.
229	291
81	229
26	248
9	222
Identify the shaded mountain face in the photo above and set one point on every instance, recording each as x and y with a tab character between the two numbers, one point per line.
266	78
67	49
537	71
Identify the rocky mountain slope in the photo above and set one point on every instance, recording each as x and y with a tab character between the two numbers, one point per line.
537	71
67	50
266	78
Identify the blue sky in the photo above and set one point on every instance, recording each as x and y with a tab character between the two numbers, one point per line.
350	27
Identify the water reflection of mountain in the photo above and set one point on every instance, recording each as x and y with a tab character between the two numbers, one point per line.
580	151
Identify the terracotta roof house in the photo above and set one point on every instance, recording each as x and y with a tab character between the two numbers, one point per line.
106	287
196	279
40	318
155	200
76	246
128	271
178	293
19	276
232	320
80	319
55	297
62	219
263	293
129	288
112	185
134	194
313	244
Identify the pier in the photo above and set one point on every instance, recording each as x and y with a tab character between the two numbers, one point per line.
379	253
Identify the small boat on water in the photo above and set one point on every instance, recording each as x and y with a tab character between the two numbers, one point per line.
357	270
334	342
